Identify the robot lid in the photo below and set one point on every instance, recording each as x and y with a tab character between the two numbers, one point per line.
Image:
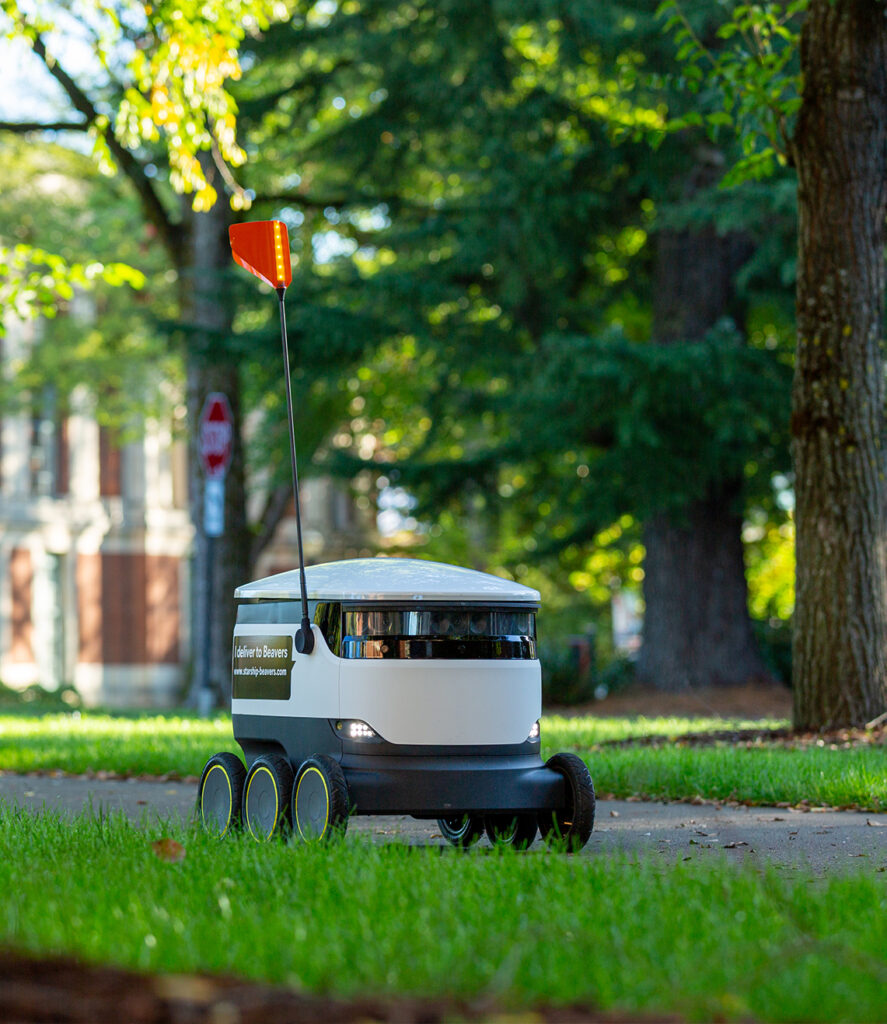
389	579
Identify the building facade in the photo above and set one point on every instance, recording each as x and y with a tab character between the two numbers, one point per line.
94	537
95	542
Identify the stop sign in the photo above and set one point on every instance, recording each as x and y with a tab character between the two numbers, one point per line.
215	441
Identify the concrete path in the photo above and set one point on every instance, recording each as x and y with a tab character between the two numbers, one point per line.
823	840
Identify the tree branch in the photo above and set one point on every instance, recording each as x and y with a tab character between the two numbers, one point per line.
153	208
313	203
21	127
394	201
276	505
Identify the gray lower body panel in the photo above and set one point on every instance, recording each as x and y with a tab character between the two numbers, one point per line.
444	786
426	782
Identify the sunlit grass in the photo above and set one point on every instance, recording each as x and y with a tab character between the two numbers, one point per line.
586	731
706	941
762	774
836	778
179	745
80	742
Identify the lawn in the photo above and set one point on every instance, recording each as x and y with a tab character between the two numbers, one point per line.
704	941
79	742
179	745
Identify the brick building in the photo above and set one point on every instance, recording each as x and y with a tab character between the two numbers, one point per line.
95	540
93	543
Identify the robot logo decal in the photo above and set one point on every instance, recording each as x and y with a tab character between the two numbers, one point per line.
263	666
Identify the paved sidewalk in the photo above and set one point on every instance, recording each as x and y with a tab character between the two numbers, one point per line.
823	840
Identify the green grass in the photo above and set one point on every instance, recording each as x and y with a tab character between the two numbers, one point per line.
765	774
702	940
80	742
587	731
179	744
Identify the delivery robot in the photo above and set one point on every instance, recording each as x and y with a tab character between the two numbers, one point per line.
385	686
421	696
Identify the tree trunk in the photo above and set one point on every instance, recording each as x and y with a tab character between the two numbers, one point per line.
208	316
840	626
697	630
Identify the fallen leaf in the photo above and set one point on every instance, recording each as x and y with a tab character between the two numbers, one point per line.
184	988
876	824
614	814
732	846
168	850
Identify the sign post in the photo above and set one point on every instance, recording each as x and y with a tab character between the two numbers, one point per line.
215	445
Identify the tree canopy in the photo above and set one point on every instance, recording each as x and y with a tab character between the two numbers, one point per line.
474	207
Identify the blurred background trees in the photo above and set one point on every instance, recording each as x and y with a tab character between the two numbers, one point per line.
543	346
487	174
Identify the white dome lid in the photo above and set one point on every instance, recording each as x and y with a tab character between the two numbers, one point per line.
389	579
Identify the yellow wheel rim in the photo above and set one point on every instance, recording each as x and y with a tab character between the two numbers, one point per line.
315	771
226	777
252	778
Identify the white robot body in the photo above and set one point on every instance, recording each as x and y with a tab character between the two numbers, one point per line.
428	702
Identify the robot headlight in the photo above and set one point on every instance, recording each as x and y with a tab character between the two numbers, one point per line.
355	729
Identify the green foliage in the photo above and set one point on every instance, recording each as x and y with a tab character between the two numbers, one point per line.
665	423
35	281
564	681
36	700
741	60
53	200
770	566
495	236
174	62
471	203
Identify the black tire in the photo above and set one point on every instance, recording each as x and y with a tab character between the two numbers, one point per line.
463	830
515	830
266	797
570	829
320	803
220	794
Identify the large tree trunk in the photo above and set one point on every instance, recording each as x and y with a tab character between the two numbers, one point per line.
840	625
208	315
697	630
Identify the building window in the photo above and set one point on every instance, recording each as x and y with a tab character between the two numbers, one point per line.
110	465
48	454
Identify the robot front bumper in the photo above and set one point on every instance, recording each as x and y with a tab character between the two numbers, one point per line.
437	786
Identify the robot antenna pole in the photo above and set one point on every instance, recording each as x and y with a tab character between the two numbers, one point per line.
304	636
